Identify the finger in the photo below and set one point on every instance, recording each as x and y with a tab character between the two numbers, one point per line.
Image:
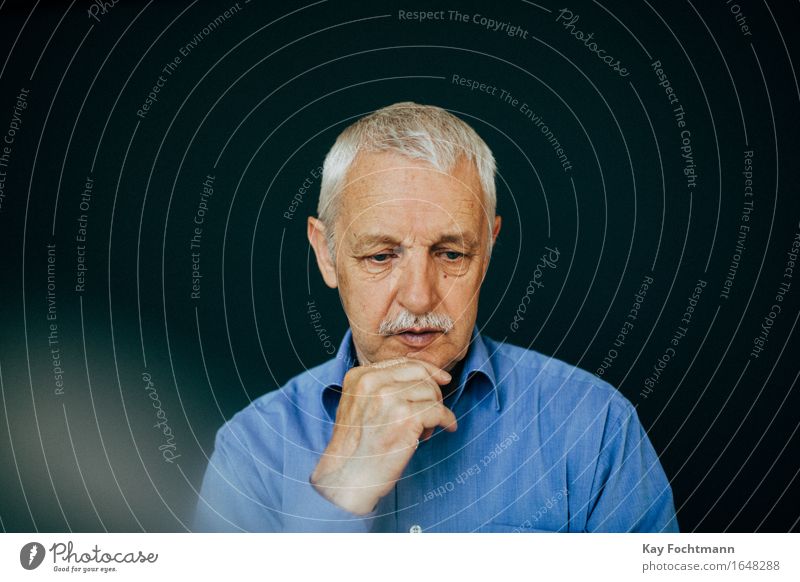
433	415
387	363
438	374
403	369
421	391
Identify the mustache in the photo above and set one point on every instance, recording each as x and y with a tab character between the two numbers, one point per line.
406	320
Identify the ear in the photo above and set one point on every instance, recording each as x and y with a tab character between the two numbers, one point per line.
498	221
495	231
316	236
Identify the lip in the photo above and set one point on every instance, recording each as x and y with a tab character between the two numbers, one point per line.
420	339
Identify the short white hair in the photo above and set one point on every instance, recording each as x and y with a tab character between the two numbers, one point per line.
419	132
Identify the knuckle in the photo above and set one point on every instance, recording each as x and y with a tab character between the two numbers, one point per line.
384	400
403	411
420	366
351	377
434	387
367	382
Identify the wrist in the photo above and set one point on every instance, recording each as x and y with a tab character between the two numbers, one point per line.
355	499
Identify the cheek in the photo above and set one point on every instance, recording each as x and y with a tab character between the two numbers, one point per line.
462	288
366	302
459	299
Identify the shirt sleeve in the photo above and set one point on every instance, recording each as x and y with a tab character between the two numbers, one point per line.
630	492
231	498
242	492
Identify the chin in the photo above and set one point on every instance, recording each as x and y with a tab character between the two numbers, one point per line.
441	358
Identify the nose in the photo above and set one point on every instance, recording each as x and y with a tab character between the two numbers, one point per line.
418	284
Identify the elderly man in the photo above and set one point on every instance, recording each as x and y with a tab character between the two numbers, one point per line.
420	423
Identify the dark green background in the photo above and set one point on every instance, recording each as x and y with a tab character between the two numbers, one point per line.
266	94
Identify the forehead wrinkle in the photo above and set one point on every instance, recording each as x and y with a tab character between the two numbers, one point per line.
403	229
402	212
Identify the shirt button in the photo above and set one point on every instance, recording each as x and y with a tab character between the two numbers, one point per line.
415	529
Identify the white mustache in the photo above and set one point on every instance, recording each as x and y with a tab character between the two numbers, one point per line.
405	320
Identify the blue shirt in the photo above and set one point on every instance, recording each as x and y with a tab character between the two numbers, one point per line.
541	446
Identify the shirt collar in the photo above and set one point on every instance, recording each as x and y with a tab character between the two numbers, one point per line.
477	363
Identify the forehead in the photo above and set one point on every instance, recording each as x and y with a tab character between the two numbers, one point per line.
398	196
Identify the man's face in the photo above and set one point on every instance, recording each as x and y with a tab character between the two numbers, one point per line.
408	238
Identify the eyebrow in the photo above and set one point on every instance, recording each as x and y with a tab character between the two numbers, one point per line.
468	240
364	242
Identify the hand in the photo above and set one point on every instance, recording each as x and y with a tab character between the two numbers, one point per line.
384	410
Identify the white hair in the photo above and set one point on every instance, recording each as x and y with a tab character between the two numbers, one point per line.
419	132
407	320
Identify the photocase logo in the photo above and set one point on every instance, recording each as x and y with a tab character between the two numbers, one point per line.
31	555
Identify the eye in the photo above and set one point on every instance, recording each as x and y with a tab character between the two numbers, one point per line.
452	255
380	257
